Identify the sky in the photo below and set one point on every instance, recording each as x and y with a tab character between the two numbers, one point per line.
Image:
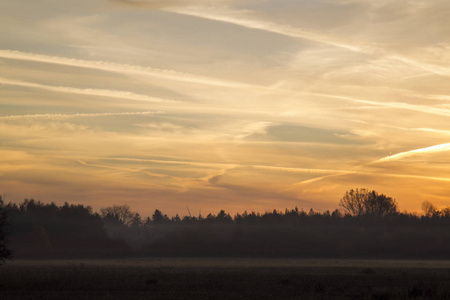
223	104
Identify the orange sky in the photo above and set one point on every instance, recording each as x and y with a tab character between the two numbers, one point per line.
224	105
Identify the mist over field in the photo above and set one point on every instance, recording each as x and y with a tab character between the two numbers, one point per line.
368	225
71	252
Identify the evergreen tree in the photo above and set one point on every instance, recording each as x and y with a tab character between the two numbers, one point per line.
5	253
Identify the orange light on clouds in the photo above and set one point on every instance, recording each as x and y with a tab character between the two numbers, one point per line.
224	105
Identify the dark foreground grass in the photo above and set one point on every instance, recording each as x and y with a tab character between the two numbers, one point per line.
203	280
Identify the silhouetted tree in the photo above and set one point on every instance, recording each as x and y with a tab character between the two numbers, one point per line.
360	202
47	230
379	205
429	209
136	221
224	217
353	202
445	212
41	230
158	217
120	215
148	222
4	250
176	219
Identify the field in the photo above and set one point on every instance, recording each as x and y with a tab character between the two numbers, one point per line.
225	279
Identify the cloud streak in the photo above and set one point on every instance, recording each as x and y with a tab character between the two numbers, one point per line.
120	68
61	117
437	70
297	170
406	154
156	4
88	92
396	105
247	19
223	166
361	173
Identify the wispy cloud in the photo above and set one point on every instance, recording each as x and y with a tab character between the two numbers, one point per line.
60	117
278	100
423	129
437	70
254	128
155	4
434	97
298	170
175	162
420	177
406	154
120	68
225	166
247	19
123	169
90	92
396	105
446	132
176	76
316	179
372	174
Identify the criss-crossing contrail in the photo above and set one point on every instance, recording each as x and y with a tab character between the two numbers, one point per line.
247	19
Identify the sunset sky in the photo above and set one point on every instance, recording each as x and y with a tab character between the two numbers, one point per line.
235	105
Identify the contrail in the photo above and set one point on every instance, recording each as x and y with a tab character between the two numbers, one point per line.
227	165
90	92
432	149
395	105
246	19
296	170
433	178
124	169
71	116
120	68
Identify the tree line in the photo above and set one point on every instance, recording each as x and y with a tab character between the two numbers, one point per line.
367	225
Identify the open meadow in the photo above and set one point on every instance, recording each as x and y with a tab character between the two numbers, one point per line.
211	278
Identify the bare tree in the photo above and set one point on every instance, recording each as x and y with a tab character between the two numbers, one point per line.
353	201
379	205
119	214
364	202
429	209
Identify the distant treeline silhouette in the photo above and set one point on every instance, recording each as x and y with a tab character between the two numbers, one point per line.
39	230
368	225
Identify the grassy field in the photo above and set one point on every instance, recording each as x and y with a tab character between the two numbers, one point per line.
225	279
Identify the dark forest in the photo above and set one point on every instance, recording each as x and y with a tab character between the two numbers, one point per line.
367	225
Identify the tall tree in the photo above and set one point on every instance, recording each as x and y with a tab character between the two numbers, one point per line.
119	215
429	209
5	252
353	202
360	202
158	217
379	205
